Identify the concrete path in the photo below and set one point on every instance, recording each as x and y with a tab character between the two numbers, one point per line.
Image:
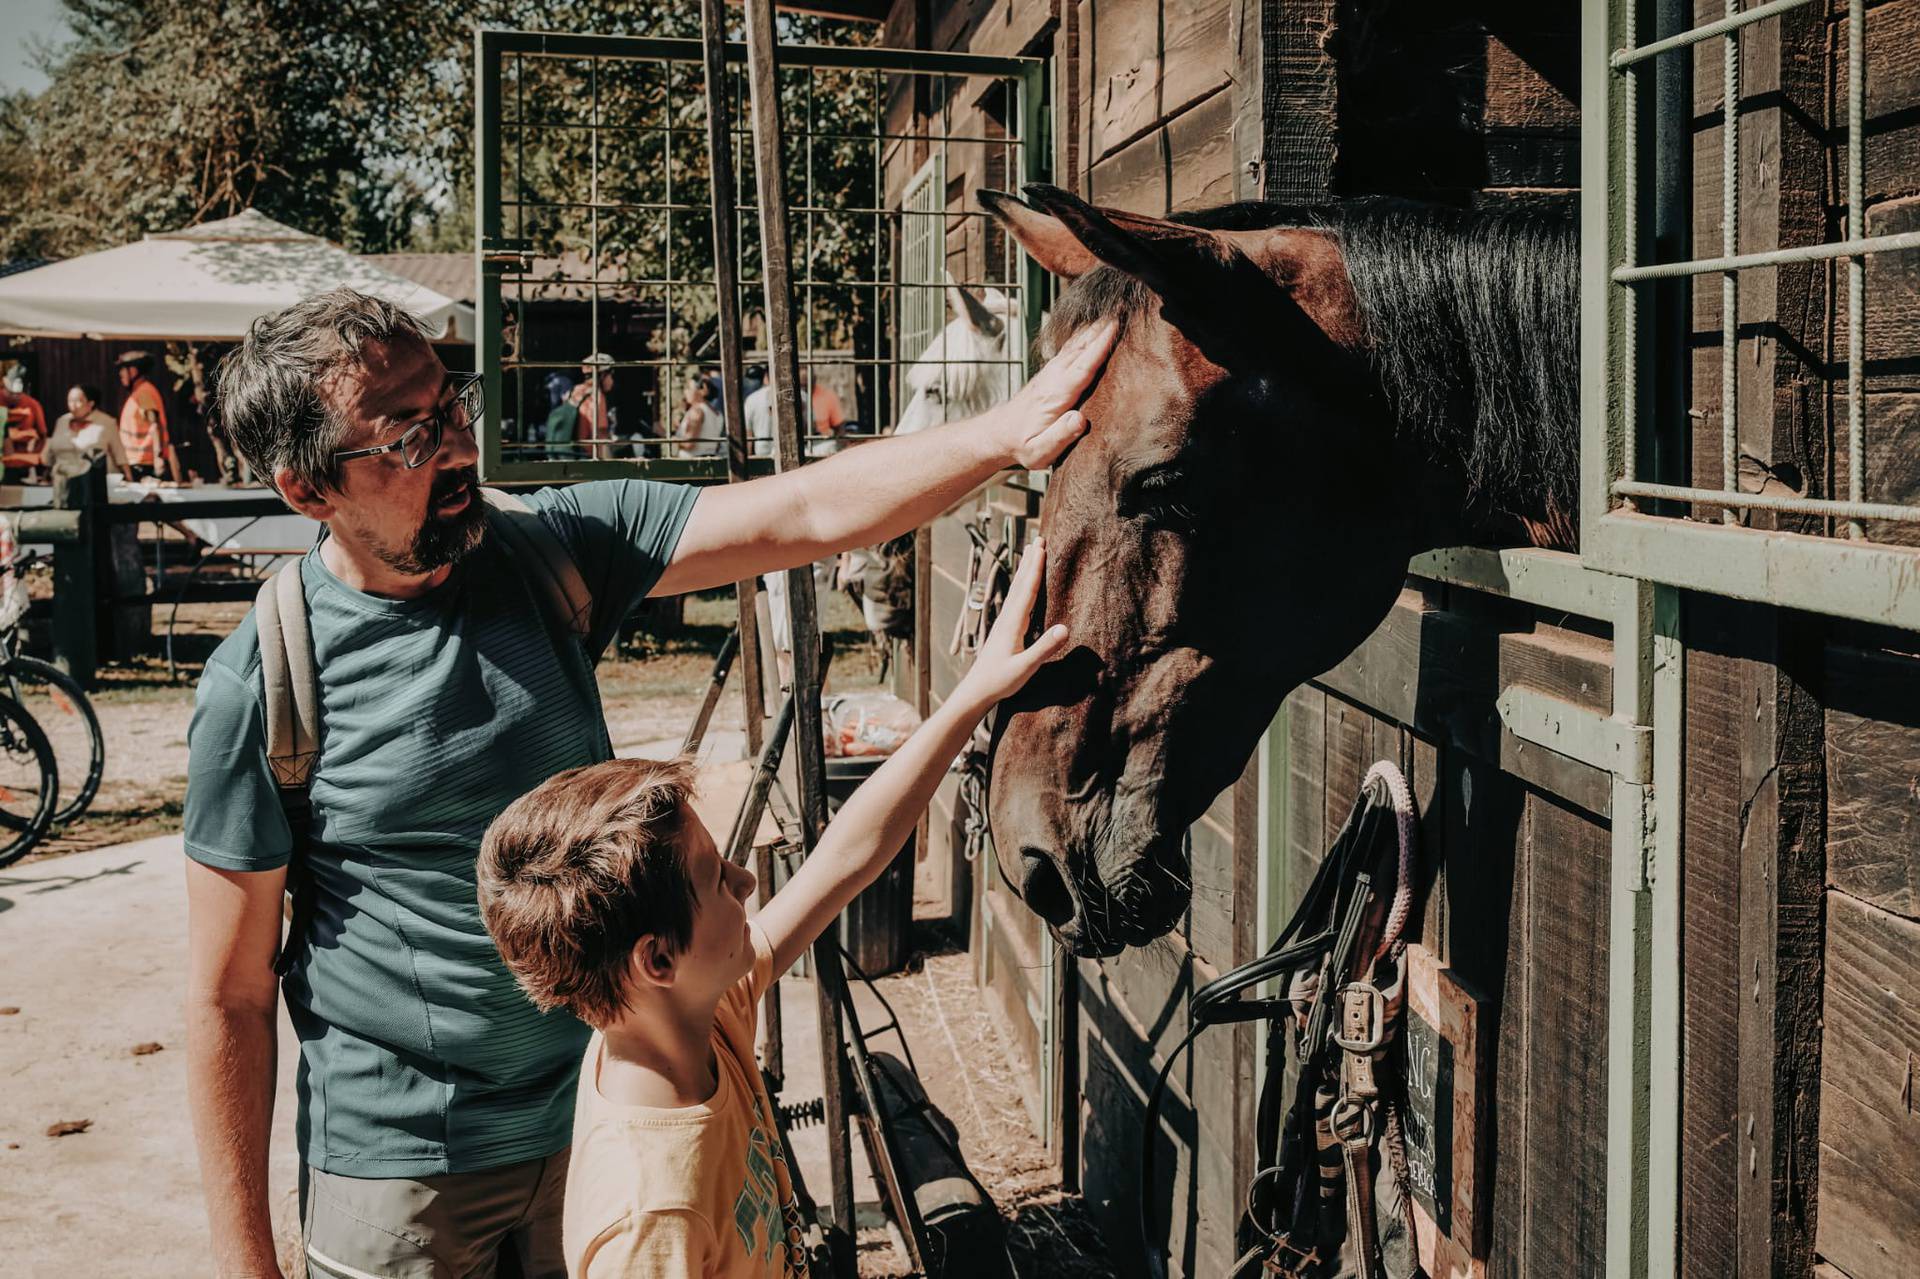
93	954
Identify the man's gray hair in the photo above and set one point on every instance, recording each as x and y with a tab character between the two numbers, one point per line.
268	395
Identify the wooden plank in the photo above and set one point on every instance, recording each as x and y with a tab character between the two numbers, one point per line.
1248	128
1567	856
1135	178
1711	990
1521	91
1125	73
1873	777
1211	917
1893	94
1751	709
1869	1111
1200	150
1301	95
1570	665
1438	672
1198	57
1306	834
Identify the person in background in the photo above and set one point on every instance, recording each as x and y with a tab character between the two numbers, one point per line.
84	433
26	439
593	397
143	420
701	430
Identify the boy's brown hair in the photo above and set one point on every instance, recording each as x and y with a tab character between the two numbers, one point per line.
578	870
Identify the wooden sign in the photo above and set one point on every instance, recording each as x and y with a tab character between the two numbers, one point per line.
1449	1071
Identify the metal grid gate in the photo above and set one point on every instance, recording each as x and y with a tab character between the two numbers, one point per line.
595	256
1841	570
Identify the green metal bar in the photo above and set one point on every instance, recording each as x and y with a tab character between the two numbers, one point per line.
1865	581
1601	245
1729	248
1901	243
1623	58
1824	506
567	45
1856	267
487	48
1665	1046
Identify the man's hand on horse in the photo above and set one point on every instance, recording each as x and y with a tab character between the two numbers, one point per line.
1040	421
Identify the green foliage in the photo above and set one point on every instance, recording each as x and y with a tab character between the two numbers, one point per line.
352	119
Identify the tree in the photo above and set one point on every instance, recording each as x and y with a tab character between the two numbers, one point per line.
352	119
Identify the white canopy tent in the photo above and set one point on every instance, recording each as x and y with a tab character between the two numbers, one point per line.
206	283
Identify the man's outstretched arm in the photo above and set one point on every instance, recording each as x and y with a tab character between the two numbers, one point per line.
880	490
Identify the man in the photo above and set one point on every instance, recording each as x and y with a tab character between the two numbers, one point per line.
434	1101
143	420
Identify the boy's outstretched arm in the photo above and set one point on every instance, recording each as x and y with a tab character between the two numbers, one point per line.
870	829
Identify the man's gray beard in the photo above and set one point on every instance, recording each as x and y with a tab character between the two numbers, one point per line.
442	540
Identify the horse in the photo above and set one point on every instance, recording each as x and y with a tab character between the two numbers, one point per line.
968	367
1300	399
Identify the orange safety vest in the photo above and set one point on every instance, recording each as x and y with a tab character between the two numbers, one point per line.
146	445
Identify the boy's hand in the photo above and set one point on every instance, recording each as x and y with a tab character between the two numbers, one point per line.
1040	421
1005	663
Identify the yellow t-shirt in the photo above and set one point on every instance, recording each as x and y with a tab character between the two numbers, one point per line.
695	1190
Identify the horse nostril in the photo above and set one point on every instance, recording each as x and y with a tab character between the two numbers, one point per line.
1044	889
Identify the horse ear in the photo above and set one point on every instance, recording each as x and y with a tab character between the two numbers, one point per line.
1308	264
1170	258
974	311
1046	239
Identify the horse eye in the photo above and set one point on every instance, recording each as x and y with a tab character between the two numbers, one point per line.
1164	495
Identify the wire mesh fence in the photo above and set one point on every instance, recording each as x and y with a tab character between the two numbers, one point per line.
598	302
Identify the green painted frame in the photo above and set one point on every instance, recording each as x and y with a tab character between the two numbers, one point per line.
1839	576
494	253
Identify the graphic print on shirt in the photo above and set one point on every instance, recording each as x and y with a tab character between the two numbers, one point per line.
766	1221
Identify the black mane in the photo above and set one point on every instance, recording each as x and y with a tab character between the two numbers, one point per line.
1472	325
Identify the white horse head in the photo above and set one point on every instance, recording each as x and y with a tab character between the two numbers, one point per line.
970	366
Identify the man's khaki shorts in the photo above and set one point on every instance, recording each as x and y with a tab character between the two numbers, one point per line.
498	1223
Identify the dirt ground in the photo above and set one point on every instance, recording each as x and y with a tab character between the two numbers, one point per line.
65	1044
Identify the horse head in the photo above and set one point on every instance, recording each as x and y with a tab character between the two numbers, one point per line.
969	366
1237	519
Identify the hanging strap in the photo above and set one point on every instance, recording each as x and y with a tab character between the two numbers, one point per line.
292	685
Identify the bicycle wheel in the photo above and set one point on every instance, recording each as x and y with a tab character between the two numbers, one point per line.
60	706
29	782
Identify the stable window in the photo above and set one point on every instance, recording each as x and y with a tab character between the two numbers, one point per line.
923	256
1708	200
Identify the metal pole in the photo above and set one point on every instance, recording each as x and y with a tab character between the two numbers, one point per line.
1729	280
784	370
726	276
1630	303
1856	264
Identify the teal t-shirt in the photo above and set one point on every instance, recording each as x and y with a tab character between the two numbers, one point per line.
418	1053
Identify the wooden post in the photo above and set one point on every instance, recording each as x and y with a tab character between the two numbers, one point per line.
79	570
783	368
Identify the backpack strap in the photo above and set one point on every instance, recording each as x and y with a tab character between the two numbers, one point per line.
292	685
545	560
292	688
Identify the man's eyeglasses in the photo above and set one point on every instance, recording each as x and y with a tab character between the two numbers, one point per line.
419	443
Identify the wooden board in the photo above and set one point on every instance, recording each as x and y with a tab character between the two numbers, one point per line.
1448	1085
1873	778
1870	1093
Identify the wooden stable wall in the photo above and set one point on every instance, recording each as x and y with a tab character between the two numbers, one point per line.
1800	930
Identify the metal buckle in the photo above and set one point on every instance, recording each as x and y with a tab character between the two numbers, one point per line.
1351	1120
1366	998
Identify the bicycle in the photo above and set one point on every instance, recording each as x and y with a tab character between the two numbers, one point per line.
56	701
30	799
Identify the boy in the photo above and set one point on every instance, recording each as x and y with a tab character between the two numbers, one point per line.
607	898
